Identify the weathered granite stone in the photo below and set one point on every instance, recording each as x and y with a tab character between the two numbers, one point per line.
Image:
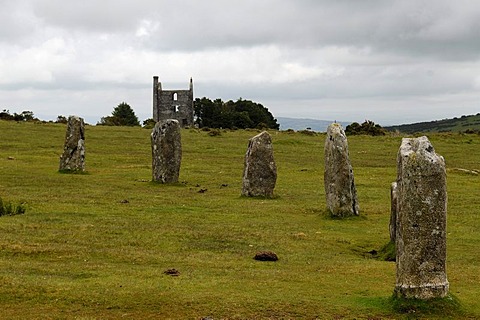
73	157
341	194
393	211
421	221
260	171
166	151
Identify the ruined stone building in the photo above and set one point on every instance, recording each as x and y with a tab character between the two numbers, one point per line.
173	104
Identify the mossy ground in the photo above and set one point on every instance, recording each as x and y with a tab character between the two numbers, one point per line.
441	308
96	246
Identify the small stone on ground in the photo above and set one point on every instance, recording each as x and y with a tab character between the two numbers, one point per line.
266	256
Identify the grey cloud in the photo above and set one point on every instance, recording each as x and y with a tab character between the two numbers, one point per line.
16	21
438	29
106	16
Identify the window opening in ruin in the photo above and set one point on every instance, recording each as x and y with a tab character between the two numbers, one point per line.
175	97
176	108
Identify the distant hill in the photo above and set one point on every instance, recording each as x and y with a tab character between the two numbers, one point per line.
303	124
461	124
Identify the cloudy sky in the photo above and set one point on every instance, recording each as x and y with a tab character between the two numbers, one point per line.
388	61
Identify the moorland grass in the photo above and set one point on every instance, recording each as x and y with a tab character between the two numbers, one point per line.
96	246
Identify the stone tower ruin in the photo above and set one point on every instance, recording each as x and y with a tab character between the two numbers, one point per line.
173	104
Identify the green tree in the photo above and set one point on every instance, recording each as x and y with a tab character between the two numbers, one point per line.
122	115
233	114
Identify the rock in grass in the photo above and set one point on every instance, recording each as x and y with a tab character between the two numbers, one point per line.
266	256
73	157
340	191
172	272
166	151
260	170
421	249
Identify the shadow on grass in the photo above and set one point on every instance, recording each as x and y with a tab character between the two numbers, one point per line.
439	308
444	308
385	253
273	197
330	216
67	171
166	184
327	215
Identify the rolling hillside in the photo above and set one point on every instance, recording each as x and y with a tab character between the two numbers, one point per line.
462	124
303	124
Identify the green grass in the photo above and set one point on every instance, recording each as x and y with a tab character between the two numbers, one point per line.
96	245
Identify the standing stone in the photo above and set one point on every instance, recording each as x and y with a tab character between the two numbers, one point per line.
340	190
166	151
393	211
73	157
260	171
421	221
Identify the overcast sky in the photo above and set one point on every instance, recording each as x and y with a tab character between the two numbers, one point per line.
391	62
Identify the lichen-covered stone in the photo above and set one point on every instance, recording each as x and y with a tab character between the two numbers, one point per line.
421	221
393	211
73	157
260	170
340	191
166	151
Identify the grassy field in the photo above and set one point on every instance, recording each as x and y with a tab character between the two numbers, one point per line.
96	245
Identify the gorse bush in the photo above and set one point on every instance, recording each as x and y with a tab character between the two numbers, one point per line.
366	128
9	209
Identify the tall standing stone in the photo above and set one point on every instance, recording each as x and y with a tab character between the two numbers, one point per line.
166	151
260	171
421	221
341	194
73	157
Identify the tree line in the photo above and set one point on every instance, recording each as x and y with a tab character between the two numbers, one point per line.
23	116
240	114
